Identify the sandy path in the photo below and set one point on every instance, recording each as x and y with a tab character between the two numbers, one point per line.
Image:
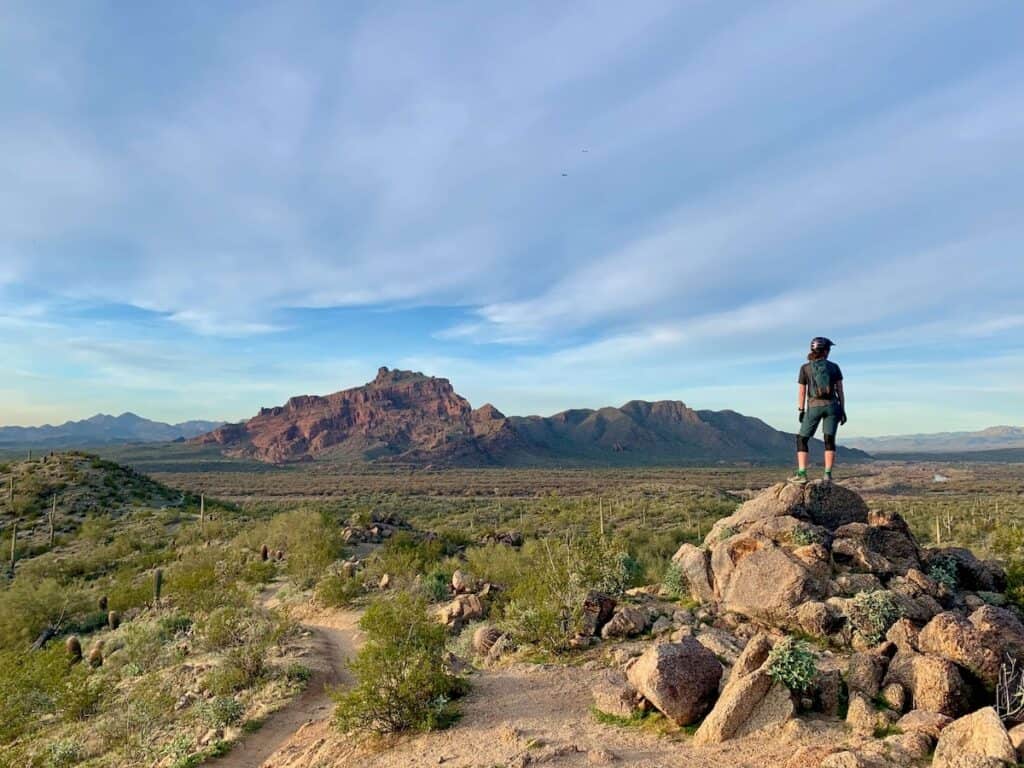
334	638
532	715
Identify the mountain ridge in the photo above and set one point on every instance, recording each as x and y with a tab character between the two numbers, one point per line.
103	429
1001	437
407	417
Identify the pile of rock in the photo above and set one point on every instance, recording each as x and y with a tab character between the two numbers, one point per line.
916	656
470	603
507	538
382	526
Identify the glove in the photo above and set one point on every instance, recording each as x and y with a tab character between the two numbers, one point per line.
842	416
801	415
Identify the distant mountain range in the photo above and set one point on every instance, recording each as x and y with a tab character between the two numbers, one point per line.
102	429
991	439
407	417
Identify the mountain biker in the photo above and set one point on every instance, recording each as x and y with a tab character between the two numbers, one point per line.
820	398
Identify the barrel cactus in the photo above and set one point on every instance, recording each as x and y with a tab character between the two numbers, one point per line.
264	553
96	655
74	648
103	603
113	619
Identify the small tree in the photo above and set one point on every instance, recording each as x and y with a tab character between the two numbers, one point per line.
401	681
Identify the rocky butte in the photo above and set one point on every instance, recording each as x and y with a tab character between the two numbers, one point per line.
405	416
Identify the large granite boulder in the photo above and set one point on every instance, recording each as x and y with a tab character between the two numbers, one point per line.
598	610
883	545
971	573
694	563
757	578
953	637
829	506
978	739
748	704
680	679
934	684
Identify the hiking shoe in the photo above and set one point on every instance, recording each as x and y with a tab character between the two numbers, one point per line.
798	479
826	480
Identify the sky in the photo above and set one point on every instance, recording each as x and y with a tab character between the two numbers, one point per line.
206	208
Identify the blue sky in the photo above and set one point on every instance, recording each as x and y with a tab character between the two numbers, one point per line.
209	207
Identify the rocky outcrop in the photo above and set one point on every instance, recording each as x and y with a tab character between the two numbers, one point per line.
978	739
680	679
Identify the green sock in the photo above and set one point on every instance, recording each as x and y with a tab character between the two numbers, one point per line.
802	472
828	473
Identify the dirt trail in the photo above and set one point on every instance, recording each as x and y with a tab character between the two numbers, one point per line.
333	640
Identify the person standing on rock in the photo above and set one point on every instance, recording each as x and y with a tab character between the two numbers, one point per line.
820	398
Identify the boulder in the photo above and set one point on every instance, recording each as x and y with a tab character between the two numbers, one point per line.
934	683
865	673
694	564
759	579
913	745
1016	735
903	634
972	574
895	697
614	695
628	621
748	704
721	643
829	692
829	506
921	721
462	582
754	654
1000	630
598	610
852	759
849	584
809	757
680	679
817	619
977	739
953	637
861	715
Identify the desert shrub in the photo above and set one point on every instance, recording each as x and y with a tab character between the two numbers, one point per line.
28	607
545	599
143	644
792	663
225	627
298	673
221	711
674	581
802	537
401	682
81	695
943	571
225	680
202	581
259	572
174	625
63	753
336	590
311	542
405	556
872	613
1015	581
436	585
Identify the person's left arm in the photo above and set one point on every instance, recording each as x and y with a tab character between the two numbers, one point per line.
841	394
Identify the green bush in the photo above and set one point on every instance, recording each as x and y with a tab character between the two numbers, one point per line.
674	581
943	571
28	607
336	590
401	682
802	537
221	711
436	585
872	613
225	680
311	542
792	663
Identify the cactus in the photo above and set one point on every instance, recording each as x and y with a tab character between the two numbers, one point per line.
96	655
103	602
158	584
113	619
264	553
280	555
74	648
14	544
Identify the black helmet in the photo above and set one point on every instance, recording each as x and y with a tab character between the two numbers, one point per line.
820	342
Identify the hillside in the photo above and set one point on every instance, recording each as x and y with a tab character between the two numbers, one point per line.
82	485
991	439
102	429
404	416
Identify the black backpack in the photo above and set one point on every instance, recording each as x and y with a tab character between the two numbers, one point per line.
821	387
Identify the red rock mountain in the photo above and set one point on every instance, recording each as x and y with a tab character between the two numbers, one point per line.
411	418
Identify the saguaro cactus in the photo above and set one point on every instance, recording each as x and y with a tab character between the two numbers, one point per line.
14	544
53	517
158	584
